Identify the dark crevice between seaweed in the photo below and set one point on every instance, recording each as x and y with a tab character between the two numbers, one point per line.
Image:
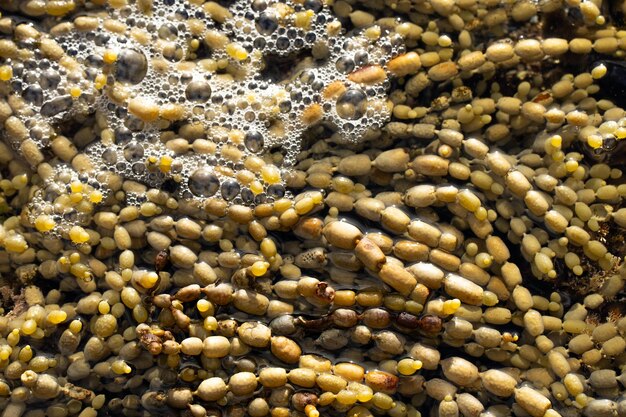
279	69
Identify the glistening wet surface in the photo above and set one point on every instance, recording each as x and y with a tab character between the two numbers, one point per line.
309	208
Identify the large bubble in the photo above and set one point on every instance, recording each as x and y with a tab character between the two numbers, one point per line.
203	182
352	104
131	66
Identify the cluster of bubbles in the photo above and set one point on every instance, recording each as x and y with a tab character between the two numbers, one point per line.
254	76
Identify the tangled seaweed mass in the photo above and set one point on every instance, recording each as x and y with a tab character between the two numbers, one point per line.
312	207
